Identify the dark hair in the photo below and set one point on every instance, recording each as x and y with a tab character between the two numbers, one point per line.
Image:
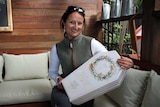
70	10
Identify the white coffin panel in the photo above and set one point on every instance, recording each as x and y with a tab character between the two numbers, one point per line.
95	77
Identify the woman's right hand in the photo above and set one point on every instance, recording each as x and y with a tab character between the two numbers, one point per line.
60	86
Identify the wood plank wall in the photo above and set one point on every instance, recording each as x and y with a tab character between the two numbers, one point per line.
36	23
157	5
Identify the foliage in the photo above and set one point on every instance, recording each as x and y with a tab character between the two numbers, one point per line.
113	39
107	1
138	3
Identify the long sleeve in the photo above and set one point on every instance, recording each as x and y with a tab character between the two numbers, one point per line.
97	47
54	64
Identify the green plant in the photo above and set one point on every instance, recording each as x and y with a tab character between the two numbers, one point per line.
112	39
107	1
138	3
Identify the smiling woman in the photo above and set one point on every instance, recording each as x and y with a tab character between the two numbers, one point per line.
6	16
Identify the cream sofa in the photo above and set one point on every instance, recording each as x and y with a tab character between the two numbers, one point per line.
139	89
26	81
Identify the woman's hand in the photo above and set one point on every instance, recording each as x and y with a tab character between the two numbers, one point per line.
60	86
125	62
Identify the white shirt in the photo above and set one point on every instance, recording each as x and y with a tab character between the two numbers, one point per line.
96	47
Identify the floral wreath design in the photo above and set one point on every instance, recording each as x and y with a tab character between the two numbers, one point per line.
101	76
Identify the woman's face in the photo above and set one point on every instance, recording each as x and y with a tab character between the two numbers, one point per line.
74	25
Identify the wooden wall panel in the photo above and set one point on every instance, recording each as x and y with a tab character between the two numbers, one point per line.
157	5
36	23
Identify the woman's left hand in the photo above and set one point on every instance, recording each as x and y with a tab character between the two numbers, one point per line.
125	62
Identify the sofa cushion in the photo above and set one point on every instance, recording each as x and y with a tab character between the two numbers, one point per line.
25	91
131	92
26	66
152	94
1	67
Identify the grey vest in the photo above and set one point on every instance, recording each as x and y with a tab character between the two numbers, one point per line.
73	53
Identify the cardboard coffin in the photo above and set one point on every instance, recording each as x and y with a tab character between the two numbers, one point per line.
98	75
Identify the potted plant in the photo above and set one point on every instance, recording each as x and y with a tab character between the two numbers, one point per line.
115	8
128	7
106	9
138	5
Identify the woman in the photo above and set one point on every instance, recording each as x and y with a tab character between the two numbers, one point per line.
73	51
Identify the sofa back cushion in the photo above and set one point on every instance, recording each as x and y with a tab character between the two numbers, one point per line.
1	67
152	94
131	92
26	66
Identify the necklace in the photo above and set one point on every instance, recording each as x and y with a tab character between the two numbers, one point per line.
102	76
